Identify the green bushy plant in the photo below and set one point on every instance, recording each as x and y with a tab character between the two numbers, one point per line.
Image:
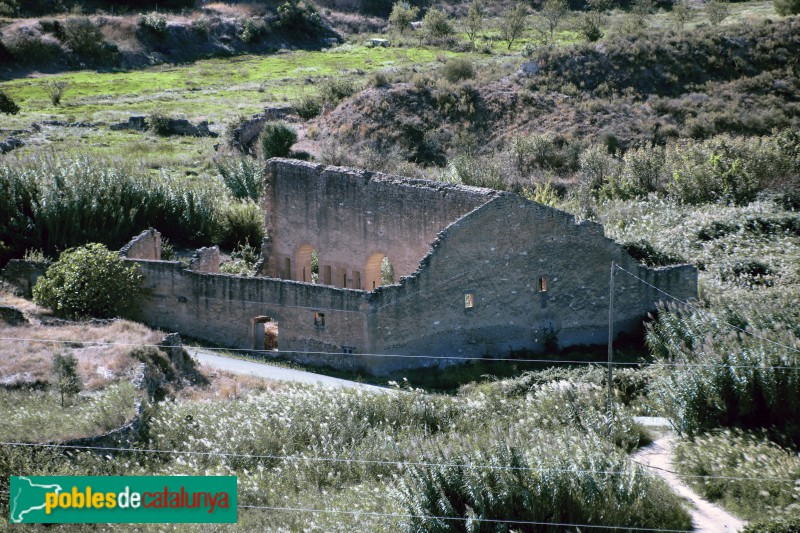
29	47
243	176
155	23
85	40
299	18
458	69
240	222
787	7
89	281
308	107
277	139
253	29
334	90
55	90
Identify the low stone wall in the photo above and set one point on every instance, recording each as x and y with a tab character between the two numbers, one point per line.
22	274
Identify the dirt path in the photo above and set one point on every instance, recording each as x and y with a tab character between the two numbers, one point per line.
706	517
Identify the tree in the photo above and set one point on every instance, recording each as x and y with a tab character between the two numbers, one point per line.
787	7
89	281
513	24
403	15
681	13
474	21
65	375
7	105
717	11
553	13
277	139
435	25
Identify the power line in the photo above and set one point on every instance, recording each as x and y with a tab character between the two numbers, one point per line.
457	518
409	356
301	458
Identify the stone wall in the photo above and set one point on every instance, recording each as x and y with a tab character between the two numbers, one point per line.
353	219
146	245
498	254
23	275
205	260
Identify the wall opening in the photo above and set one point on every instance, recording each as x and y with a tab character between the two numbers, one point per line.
307	264
379	271
264	333
542	284
357	280
319	320
469	300
326	275
287	268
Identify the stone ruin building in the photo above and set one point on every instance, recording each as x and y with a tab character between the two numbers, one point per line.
478	273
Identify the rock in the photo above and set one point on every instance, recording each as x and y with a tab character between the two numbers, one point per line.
171	126
12	143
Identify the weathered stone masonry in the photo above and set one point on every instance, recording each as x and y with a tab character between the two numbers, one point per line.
484	273
529	272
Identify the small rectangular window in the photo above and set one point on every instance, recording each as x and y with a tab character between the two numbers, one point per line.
348	349
326	275
357	280
469	300
319	320
542	285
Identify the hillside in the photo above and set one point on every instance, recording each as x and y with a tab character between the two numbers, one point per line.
628	91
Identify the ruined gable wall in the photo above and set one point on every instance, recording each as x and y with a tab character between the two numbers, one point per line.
347	216
219	308
499	252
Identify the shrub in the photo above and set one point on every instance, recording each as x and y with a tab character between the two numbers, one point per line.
591	26
155	23
241	223
335	90
159	123
7	105
88	281
645	253
253	29
55	90
458	69
243	176
717	11
277	139
308	107
243	260
299	18
787	7
85	40
28	46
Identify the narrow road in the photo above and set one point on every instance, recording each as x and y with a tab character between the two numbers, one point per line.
267	371
706	517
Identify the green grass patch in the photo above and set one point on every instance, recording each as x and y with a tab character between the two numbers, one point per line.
37	416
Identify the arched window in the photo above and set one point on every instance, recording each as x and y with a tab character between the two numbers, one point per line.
378	271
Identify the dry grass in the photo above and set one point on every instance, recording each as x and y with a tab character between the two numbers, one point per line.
25	361
226	385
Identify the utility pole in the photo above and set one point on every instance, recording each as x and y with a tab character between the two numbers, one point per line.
609	407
